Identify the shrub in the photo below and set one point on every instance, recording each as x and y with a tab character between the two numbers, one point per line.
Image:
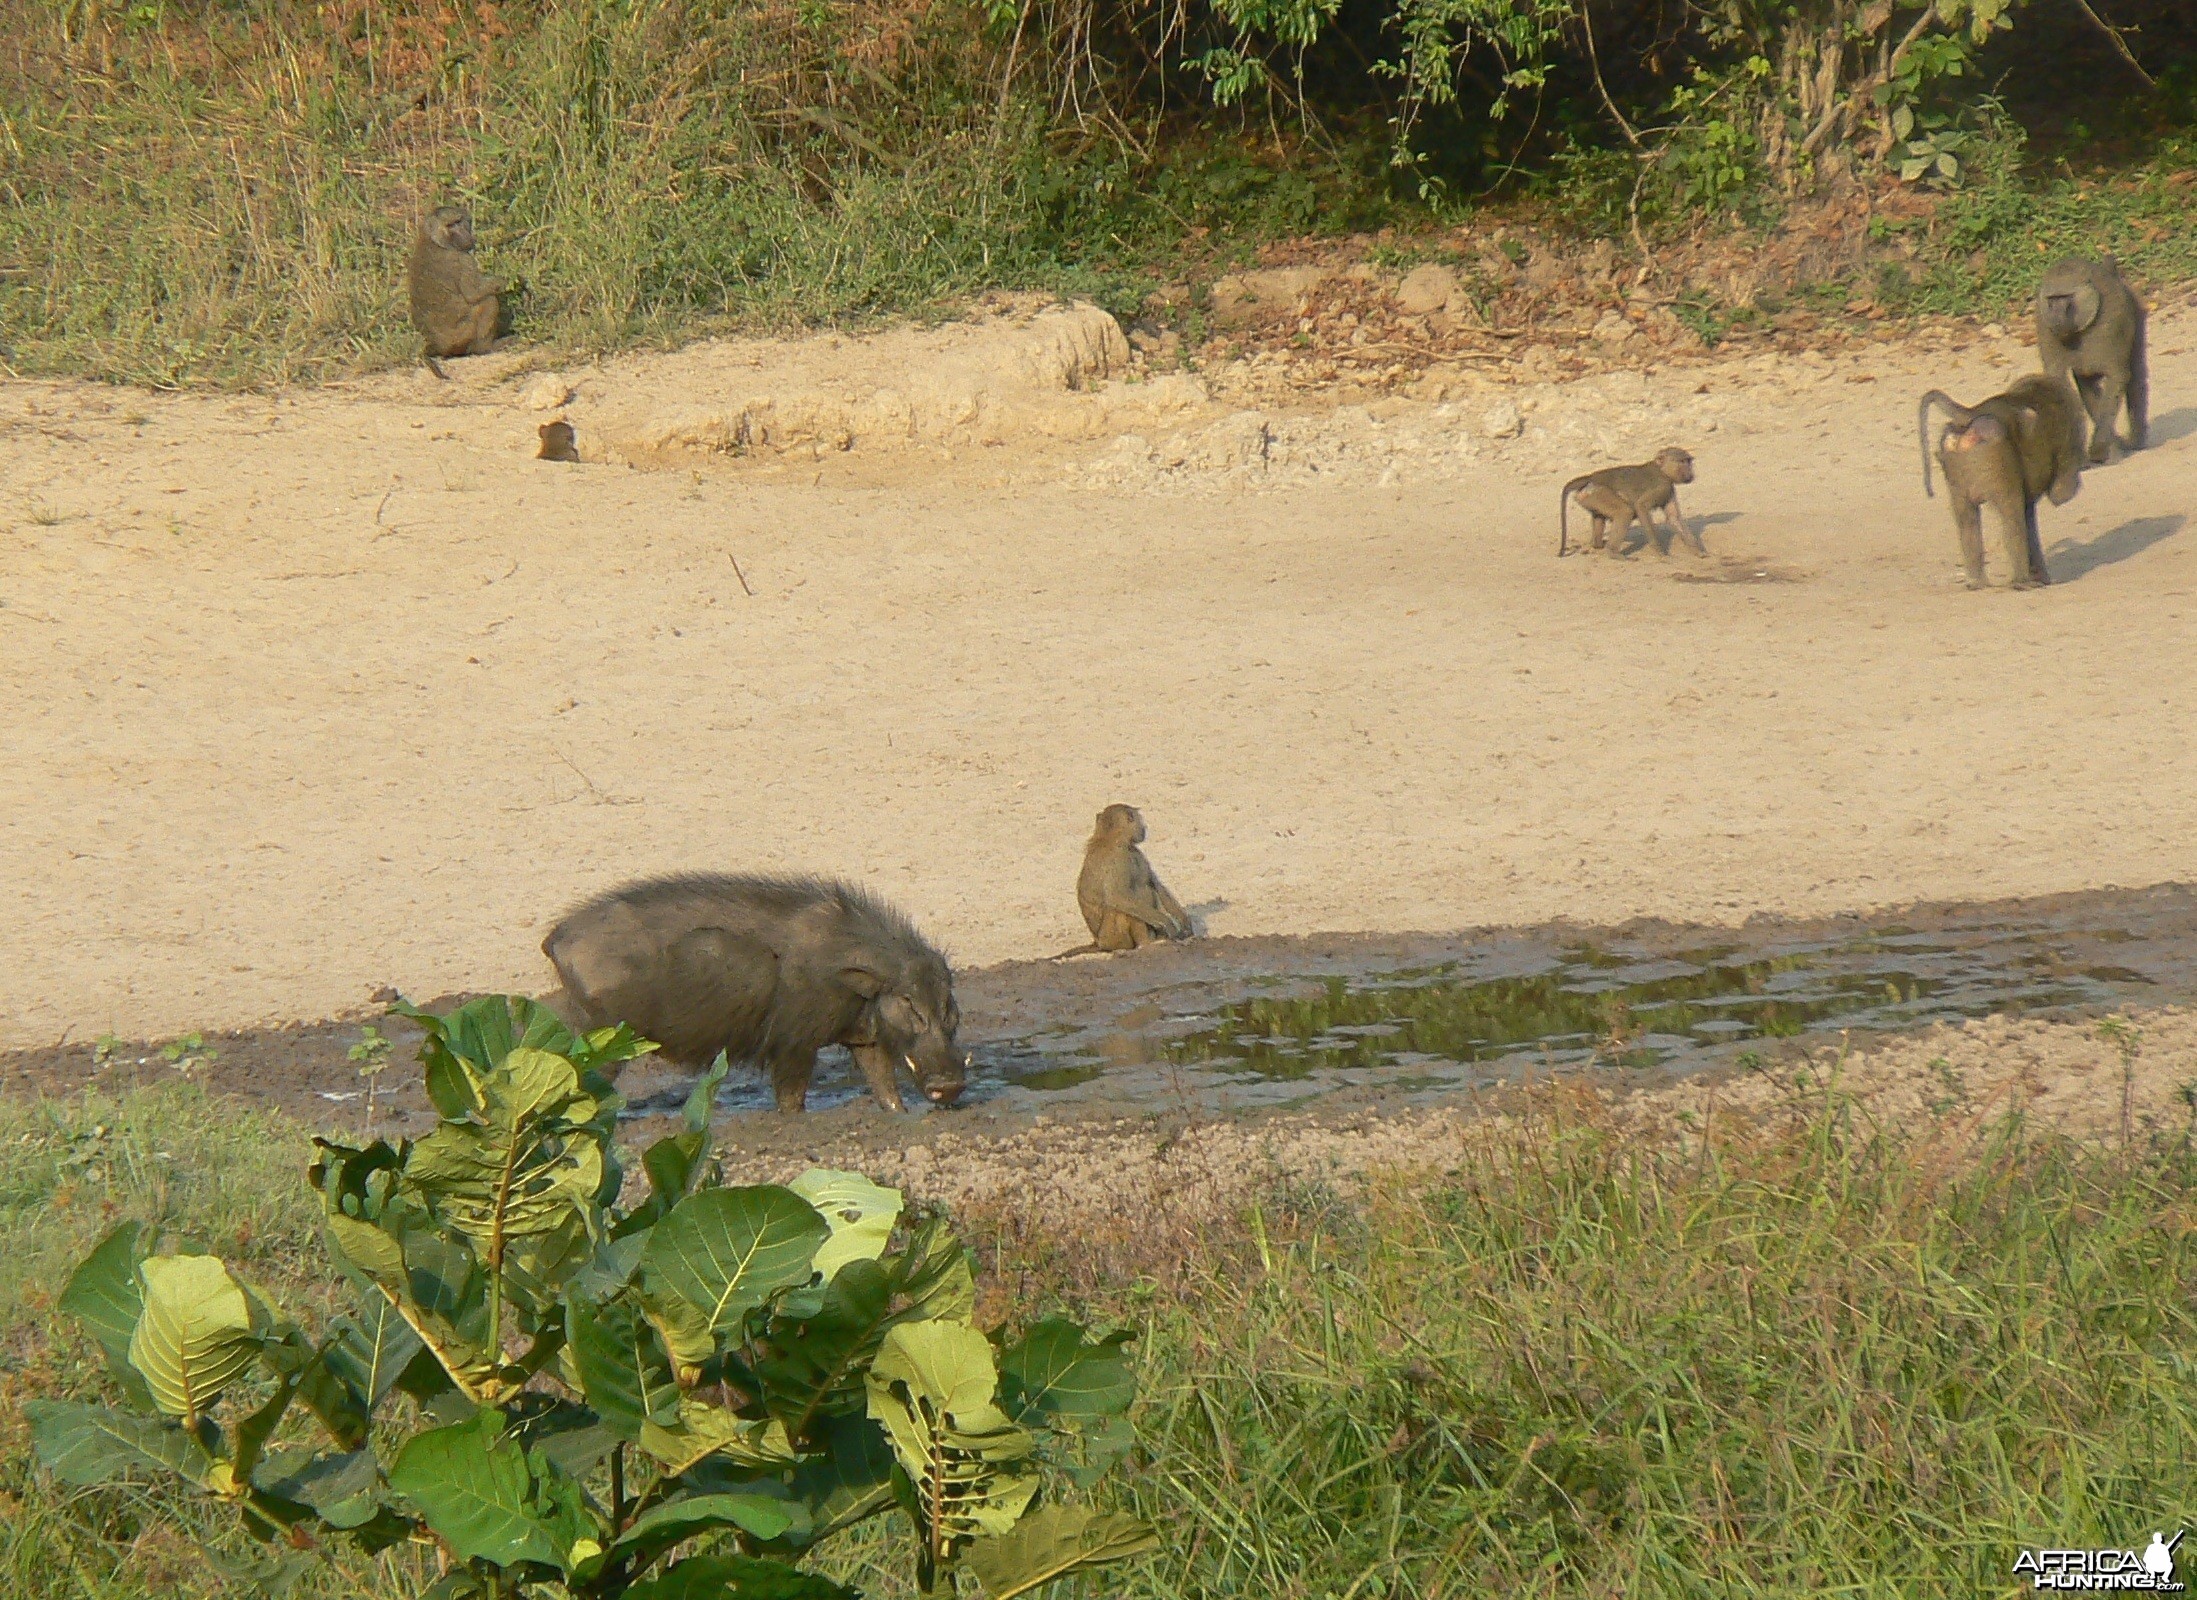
670	1400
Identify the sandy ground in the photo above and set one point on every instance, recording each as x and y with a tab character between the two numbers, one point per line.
305	695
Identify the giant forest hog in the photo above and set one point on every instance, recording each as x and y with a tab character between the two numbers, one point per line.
768	970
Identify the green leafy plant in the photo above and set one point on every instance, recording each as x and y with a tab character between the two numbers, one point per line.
189	1054
671	1400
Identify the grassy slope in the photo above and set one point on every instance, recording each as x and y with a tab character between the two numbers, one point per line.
1810	1365
224	200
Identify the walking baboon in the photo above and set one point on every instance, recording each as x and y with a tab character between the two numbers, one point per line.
557	443
1626	495
2003	454
2090	327
1124	903
453	306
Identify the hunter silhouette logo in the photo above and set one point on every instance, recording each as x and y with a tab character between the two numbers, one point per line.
2150	1570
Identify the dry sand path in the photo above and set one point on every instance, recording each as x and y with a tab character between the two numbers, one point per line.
305	695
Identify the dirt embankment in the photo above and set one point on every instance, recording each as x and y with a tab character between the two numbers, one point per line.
317	692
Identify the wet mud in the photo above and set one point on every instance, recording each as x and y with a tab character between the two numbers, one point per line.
1341	1024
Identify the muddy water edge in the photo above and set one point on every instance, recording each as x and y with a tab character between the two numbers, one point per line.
1342	1024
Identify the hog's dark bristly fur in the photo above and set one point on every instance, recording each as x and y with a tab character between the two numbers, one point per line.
768	970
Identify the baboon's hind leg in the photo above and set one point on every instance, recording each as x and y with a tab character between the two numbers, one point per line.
2015	518
1968	523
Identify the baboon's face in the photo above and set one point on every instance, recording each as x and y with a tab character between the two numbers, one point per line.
1122	822
1677	466
451	227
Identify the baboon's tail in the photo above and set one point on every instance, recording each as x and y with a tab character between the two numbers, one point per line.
1079	950
1961	416
1563	514
435	367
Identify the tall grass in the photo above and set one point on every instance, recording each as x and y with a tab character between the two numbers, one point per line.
1821	1361
226	197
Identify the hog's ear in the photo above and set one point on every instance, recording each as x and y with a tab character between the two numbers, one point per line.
864	982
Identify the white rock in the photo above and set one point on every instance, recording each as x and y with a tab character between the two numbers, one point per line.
545	392
1612	329
1426	289
1502	420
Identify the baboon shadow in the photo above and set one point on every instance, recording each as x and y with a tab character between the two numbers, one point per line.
1199	912
2179	423
1662	538
2068	560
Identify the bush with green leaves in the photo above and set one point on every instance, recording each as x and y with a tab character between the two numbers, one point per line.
665	1402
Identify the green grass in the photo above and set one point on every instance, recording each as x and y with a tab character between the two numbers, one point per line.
224	198
221	196
1824	1362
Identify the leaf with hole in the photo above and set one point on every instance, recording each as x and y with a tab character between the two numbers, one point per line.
861	1215
932	1388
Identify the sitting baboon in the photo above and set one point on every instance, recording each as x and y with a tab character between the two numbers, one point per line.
1123	901
453	306
2090	327
1625	495
2003	454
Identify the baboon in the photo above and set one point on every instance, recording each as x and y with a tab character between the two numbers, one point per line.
1123	901
2090	327
2003	454
453	306
557	444
768	970
1626	495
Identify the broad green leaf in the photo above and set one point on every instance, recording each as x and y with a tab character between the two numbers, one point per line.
860	1212
196	1334
369	1350
932	1388
466	1045
523	1162
848	1479
726	1251
344	1491
703	1431
683	1327
611	1268
569	1435
368	1250
678	1165
104	1295
819	1342
658	1529
103	1292
87	1445
1053	1542
621	1365
487	1498
234	1476
536	1268
1051	1373
716	1577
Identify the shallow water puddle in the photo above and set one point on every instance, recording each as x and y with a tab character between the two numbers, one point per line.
1527	1004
